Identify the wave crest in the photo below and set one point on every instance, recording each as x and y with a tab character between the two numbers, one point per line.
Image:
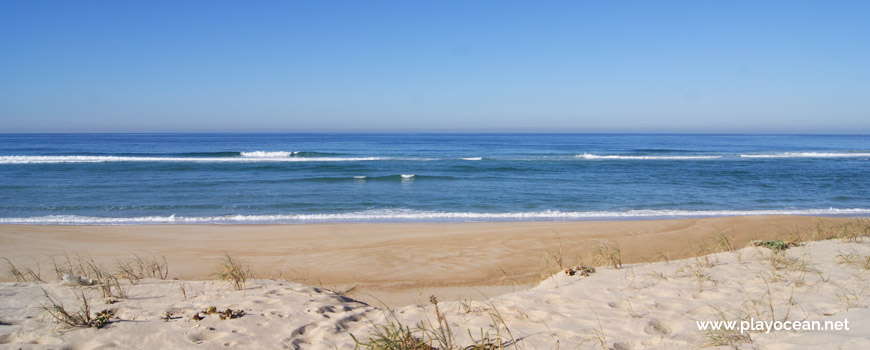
808	155
595	157
113	159
267	154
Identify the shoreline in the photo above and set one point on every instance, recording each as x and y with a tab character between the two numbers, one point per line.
403	216
394	263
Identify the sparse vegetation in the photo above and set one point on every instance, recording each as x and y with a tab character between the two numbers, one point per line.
554	260
663	256
598	333
778	245
234	272
25	274
854	258
110	288
852	231
724	243
697	270
702	252
139	267
227	314
780	261
606	254
342	292
851	298
583	270
723	336
393	335
55	310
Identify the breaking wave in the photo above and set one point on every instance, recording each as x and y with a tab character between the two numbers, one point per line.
113	159
628	157
809	155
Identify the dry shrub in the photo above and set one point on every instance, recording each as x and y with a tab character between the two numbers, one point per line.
55	310
234	272
606	254
396	336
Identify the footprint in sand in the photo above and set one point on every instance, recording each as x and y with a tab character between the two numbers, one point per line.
656	327
205	336
621	346
326	309
555	301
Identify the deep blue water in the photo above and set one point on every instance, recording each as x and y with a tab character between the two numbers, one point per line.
260	178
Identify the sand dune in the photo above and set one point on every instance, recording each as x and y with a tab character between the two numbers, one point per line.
639	306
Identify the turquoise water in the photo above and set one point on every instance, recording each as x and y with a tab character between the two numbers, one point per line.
291	178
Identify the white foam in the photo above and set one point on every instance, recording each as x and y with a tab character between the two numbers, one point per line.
391	215
473	158
407	176
359	177
111	159
595	157
266	154
808	155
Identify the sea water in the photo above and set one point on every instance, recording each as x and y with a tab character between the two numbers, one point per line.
301	178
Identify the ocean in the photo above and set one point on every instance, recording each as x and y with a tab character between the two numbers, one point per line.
305	178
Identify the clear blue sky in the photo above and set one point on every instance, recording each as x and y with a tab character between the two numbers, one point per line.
575	66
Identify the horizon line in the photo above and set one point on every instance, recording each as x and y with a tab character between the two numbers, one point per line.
470	132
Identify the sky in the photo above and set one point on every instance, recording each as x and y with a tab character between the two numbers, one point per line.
435	66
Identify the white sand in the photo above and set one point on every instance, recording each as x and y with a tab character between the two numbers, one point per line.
641	306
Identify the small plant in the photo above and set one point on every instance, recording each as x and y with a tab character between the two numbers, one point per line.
702	251
342	292
168	316
227	314
392	336
110	288
234	272
581	270
724	337
663	256
395	336
554	260
849	233
81	318
598	334
780	261
854	258
26	274
697	270
79	266
139	267
851	298
725	243
775	245
607	254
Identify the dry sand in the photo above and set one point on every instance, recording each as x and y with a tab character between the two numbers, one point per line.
397	263
640	306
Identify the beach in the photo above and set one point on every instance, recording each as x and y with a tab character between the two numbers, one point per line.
315	285
434	176
392	263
